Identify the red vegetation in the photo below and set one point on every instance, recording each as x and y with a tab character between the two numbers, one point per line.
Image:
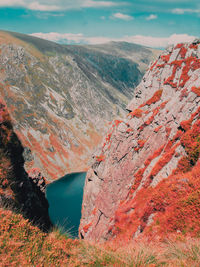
136	113
153	65
117	122
190	63
179	46
129	130
155	111
170	79
160	66
52	169
193	46
166	58
141	143
168	131
190	140
155	98
156	130
165	158
196	90
184	93
86	227
109	135
186	124
100	158
139	174
174	202
183	52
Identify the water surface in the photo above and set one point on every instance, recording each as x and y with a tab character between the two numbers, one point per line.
65	201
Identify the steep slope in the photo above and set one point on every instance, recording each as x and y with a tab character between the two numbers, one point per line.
144	181
140	54
24	245
57	96
18	190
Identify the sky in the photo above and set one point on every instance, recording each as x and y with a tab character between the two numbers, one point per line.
154	23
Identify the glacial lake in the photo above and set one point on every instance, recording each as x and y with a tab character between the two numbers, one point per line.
65	197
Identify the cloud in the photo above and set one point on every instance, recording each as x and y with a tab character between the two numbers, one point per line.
58	5
60	37
91	3
156	42
151	17
40	7
160	42
46	14
181	11
10	3
70	38
122	16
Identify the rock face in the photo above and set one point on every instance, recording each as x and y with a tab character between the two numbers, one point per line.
57	96
144	180
18	190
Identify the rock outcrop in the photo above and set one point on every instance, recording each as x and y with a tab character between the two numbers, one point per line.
57	96
144	182
18	190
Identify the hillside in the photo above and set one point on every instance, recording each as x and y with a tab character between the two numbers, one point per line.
140	54
61	98
144	180
18	190
23	244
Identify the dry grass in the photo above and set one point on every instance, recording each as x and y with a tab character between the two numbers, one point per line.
22	244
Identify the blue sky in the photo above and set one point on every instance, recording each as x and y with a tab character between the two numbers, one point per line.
154	23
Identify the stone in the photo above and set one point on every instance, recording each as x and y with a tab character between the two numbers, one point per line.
149	153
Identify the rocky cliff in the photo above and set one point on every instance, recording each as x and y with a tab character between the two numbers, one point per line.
18	190
144	180
57	96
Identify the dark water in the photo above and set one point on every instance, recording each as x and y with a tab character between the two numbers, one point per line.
65	201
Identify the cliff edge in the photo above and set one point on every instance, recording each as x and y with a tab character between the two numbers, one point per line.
18	190
144	182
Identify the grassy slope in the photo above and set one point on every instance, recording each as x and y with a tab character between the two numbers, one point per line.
22	244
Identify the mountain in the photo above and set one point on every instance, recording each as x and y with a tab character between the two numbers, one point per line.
126	50
144	180
60	98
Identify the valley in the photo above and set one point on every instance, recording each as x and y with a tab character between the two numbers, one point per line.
125	144
62	98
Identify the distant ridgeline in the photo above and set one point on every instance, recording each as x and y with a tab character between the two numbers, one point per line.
145	180
61	98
